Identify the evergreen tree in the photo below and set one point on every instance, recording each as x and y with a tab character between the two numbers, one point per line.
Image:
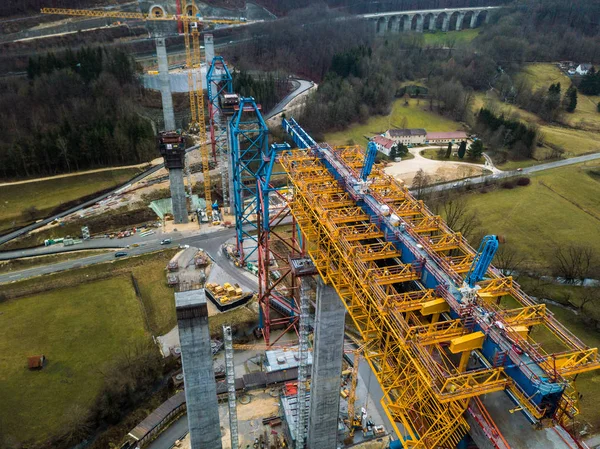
393	152
401	150
462	149
551	102
598	107
570	100
475	150
449	150
590	83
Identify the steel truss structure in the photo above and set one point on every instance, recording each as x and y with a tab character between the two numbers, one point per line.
219	81
248	134
399	269
278	284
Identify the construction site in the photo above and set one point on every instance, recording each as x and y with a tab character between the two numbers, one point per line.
379	326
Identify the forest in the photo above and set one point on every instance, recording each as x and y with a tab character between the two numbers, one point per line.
73	112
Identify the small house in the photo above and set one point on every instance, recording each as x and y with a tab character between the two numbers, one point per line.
383	144
583	69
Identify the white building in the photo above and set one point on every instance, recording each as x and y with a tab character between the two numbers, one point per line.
583	69
407	136
383	144
453	136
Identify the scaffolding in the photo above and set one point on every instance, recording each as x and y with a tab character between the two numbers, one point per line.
303	267
230	373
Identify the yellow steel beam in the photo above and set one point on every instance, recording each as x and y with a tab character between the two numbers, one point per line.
436	306
467	342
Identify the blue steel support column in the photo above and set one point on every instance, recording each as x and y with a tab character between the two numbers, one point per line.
219	81
249	141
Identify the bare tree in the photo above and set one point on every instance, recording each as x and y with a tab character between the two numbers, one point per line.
420	182
459	217
508	260
591	295
573	262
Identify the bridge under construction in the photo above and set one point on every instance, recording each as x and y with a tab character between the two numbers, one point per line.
450	339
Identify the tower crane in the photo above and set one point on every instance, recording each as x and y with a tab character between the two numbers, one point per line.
191	24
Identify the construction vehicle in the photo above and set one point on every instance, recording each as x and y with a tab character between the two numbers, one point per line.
191	22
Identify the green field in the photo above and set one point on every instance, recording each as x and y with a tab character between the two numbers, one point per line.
544	74
81	330
49	194
417	116
31	262
561	206
450	38
432	153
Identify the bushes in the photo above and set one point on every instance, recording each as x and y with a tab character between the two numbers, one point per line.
512	183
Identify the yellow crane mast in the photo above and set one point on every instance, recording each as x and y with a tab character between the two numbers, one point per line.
196	91
353	423
191	25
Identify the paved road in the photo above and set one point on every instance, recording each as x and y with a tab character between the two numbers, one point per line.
176	431
512	173
304	85
8	237
209	241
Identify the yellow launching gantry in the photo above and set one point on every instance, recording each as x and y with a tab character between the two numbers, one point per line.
399	269
191	22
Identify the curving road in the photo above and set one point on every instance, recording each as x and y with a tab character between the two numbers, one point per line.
304	85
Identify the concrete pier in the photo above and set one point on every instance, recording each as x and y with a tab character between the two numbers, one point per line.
178	200
165	85
326	369
198	373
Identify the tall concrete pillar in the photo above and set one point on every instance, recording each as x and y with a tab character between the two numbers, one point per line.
407	22
473	23
445	23
420	21
487	16
209	53
198	373
459	20
178	200
165	84
326	369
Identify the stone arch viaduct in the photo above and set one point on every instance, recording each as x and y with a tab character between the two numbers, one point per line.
446	19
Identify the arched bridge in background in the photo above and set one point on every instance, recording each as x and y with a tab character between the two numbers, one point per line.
447	19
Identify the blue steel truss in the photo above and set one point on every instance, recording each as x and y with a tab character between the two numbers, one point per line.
249	142
299	136
219	81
